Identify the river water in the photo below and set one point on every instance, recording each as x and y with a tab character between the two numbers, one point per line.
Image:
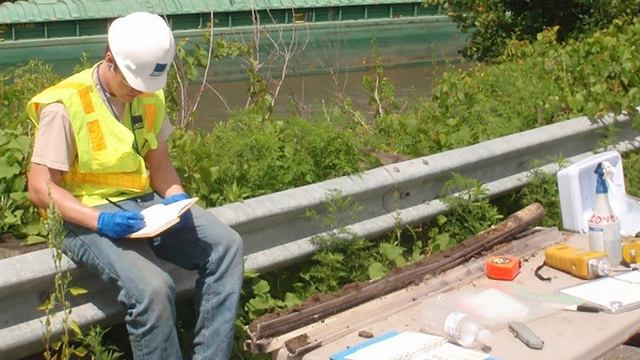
410	83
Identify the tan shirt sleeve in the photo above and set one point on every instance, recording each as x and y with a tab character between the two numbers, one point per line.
55	144
165	130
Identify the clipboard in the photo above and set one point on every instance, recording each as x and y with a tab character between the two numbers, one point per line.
612	294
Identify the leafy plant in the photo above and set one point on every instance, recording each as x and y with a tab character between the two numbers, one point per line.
543	189
335	259
470	212
18	215
262	301
631	164
398	248
94	343
493	23
275	156
17	86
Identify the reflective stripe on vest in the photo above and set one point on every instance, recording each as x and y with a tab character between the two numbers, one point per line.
127	181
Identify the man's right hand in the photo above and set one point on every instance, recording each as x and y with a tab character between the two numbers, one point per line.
119	224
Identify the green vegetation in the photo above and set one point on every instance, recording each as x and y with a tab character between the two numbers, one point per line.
58	303
73	342
256	153
494	23
16	89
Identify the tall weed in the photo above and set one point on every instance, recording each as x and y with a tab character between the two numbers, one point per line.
73	343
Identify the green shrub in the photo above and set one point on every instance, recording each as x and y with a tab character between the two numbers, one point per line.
494	23
246	157
17	86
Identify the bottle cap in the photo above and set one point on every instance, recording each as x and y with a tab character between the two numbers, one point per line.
599	266
604	267
484	336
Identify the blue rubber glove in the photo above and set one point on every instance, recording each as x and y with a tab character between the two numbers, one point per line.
173	198
187	214
118	224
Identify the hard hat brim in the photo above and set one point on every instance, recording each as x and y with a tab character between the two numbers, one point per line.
151	85
148	84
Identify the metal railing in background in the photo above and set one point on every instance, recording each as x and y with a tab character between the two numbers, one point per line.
277	230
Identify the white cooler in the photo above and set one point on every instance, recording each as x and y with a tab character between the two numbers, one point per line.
577	187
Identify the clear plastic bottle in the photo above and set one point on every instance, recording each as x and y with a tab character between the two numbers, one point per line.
604	226
457	326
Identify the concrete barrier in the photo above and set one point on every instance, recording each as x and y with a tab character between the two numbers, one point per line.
277	230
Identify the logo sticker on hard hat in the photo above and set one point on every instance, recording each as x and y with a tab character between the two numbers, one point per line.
159	69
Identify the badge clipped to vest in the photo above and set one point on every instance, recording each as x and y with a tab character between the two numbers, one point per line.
136	122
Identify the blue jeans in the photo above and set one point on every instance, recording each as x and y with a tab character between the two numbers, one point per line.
146	290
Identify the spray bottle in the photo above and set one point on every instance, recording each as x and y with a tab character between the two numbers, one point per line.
604	226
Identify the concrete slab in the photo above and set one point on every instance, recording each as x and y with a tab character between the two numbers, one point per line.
567	334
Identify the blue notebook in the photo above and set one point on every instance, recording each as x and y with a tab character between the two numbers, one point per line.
351	350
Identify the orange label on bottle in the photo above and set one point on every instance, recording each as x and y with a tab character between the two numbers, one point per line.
600	219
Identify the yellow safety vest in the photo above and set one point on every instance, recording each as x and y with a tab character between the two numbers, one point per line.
110	161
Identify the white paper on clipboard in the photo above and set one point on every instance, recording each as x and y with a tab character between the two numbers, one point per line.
613	294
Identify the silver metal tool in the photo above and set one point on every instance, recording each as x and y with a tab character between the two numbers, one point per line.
526	335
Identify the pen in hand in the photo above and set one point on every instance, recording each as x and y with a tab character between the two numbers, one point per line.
115	204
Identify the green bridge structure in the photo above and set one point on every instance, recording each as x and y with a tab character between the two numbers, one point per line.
322	35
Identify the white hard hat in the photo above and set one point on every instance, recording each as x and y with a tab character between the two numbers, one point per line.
143	47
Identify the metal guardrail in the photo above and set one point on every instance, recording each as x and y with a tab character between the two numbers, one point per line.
277	231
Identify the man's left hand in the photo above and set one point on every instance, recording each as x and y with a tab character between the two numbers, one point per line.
187	216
